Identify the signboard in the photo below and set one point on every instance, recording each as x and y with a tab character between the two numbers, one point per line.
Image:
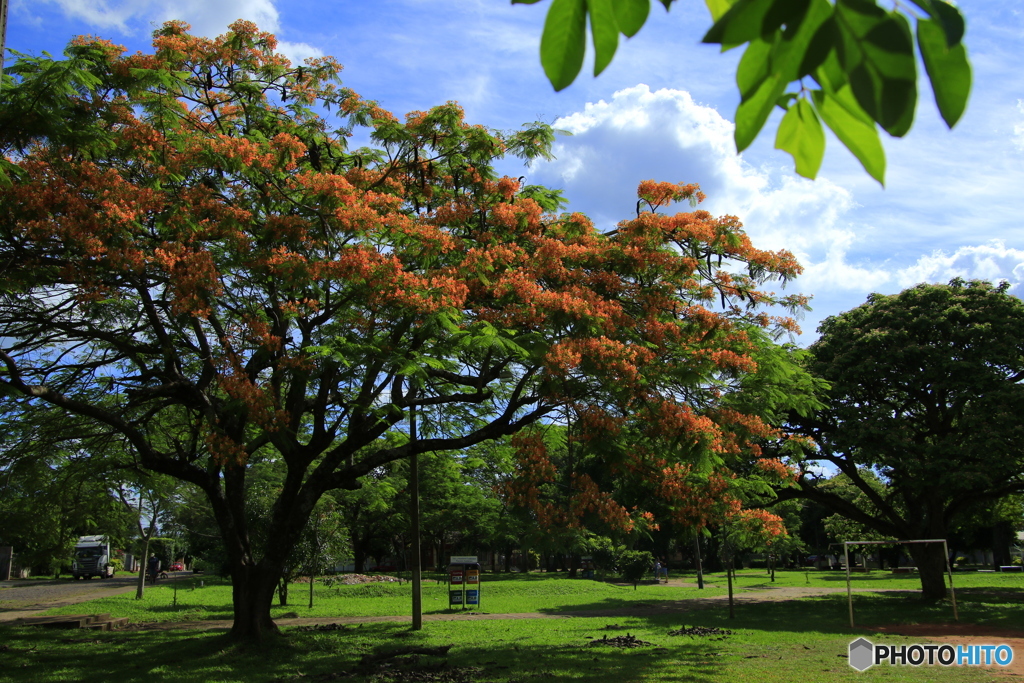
464	581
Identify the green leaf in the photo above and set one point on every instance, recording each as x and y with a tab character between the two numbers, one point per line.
786	99
750	19
830	74
948	70
878	56
718	7
564	41
800	133
854	128
753	111
604	31
822	44
768	67
630	15
947	16
754	67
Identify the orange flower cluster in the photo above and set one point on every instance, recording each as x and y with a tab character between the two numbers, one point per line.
661	194
270	255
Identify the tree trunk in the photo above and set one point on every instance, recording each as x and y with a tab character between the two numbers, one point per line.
282	592
358	558
252	592
140	588
931	565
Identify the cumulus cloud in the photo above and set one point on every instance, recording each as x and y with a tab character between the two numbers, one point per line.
666	135
639	134
993	261
206	18
102	14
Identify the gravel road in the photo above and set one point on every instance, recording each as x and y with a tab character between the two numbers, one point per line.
25	598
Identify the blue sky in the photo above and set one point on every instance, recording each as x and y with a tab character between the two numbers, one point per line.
663	109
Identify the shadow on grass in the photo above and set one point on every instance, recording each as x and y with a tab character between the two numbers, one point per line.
503	653
40	655
821	614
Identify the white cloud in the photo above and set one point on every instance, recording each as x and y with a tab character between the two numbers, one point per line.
102	14
212	18
207	18
992	261
298	52
639	134
1018	129
665	135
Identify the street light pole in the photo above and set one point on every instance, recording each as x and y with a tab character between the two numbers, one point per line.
3	33
414	514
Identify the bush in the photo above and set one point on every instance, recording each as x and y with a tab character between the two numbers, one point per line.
117	564
634	565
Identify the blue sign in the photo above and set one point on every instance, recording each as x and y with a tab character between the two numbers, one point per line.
472	597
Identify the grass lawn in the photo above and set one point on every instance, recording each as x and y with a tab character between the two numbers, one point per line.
795	640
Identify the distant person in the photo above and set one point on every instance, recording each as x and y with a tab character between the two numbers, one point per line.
154	568
664	570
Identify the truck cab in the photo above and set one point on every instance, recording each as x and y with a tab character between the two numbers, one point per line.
92	558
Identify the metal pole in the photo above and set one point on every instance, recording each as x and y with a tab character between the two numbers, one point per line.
849	591
700	566
3	33
414	514
949	570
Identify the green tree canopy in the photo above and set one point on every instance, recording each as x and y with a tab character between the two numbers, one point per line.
927	393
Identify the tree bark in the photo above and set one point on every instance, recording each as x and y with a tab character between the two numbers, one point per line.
252	592
931	566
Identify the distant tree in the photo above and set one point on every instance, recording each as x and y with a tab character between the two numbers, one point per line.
927	393
56	484
151	500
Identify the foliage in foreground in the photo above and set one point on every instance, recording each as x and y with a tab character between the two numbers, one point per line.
860	56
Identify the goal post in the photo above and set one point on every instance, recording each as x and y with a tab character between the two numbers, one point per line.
945	549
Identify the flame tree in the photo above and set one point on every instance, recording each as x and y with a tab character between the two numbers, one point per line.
194	260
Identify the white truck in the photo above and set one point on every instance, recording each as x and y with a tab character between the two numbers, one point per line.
92	558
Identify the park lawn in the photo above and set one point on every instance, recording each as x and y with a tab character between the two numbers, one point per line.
787	641
209	597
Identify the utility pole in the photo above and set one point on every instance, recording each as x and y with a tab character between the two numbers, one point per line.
3	32
414	514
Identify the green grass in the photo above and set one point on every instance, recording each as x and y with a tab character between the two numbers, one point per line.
500	594
785	641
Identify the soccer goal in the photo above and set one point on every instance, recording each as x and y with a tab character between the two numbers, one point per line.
945	550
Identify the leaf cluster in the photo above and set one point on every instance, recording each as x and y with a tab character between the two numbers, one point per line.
853	63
